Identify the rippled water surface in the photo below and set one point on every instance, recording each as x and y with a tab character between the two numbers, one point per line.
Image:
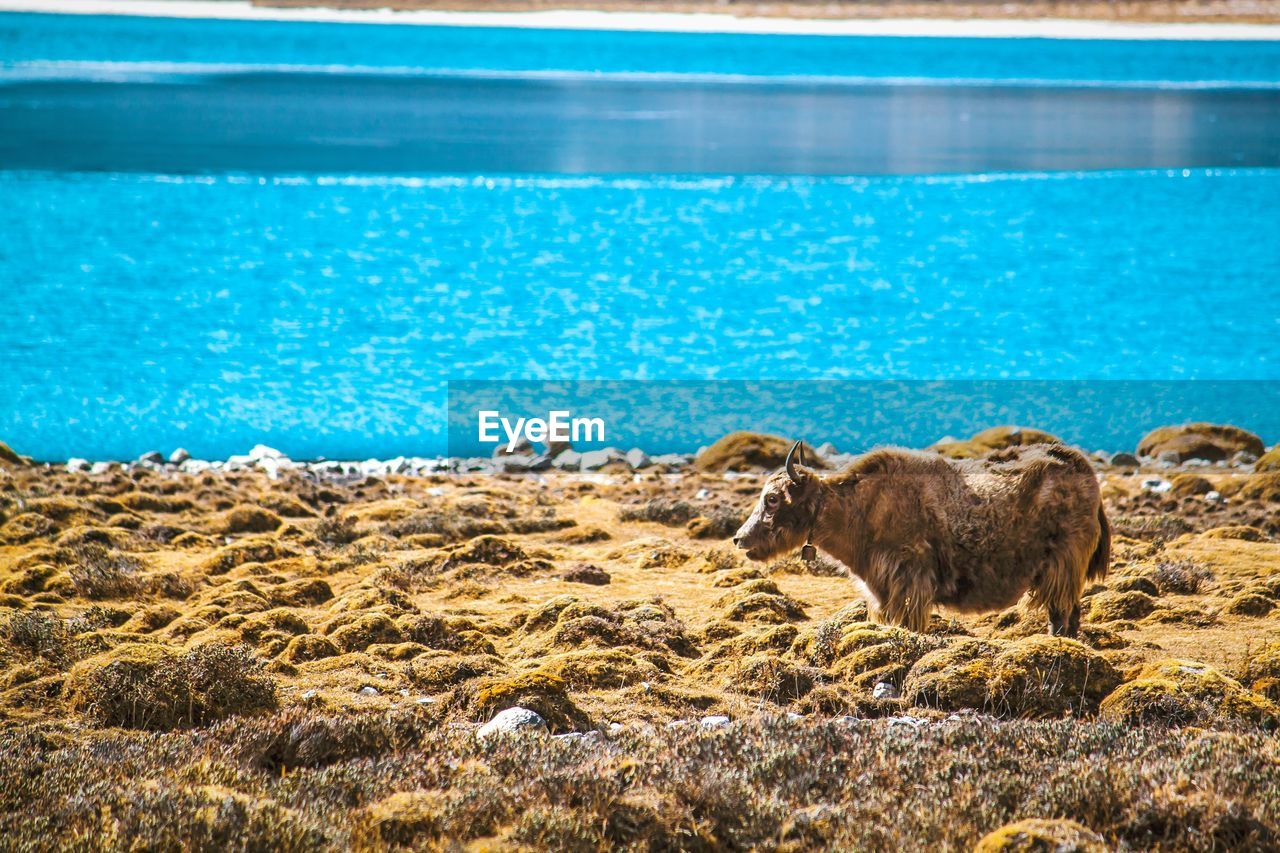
325	314
213	306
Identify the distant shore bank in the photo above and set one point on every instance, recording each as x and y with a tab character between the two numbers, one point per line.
1221	19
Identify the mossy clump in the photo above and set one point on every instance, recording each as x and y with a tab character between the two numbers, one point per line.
151	686
148	502
309	647
952	678
1116	606
672	513
1042	836
305	592
1045	676
448	633
601	669
1240	532
1269	461
1250	604
358	635
1177	692
1262	487
866	653
1211	442
995	438
98	572
247	519
760	601
24	527
1189	485
540	692
436	672
252	550
748	451
644	625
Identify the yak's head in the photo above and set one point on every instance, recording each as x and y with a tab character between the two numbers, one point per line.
786	512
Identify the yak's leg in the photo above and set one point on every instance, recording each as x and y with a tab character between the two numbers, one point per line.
1059	621
1064	622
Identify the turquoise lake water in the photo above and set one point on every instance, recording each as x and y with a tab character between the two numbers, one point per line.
323	313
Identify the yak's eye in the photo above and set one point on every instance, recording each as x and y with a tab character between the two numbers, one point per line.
771	499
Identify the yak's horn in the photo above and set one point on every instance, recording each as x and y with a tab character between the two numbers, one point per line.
791	461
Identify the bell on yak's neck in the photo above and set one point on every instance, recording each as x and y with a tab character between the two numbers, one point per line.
808	553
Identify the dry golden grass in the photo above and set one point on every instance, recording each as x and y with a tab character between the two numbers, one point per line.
386	617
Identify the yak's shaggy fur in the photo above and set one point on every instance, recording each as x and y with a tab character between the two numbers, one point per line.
921	530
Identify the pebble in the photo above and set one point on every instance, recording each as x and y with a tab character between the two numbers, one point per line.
309	694
512	720
77	464
151	458
1156	485
1123	460
715	721
424	700
179	456
914	722
1214	497
368	690
568	460
615	728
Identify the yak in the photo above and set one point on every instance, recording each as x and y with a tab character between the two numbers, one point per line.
920	530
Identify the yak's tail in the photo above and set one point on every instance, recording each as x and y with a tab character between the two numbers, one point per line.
1101	558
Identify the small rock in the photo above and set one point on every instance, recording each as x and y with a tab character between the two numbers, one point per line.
424	700
368	690
152	458
702	494
262	451
77	464
1156	485
101	467
593	460
638	459
715	721
179	456
615	728
1123	460
1171	457
794	717
1214	497
510	721
885	690
567	460
309	694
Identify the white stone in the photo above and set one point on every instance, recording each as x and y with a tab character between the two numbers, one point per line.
568	460
261	451
715	721
884	690
595	459
101	467
77	464
1156	485
1214	497
179	456
638	459
512	720
368	690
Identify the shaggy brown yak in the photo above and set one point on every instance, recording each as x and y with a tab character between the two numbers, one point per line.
921	530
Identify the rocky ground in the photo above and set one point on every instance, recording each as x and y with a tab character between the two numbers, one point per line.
564	652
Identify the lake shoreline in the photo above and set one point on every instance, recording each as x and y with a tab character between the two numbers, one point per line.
1076	21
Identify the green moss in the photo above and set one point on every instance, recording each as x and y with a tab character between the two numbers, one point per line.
1042	836
1181	692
